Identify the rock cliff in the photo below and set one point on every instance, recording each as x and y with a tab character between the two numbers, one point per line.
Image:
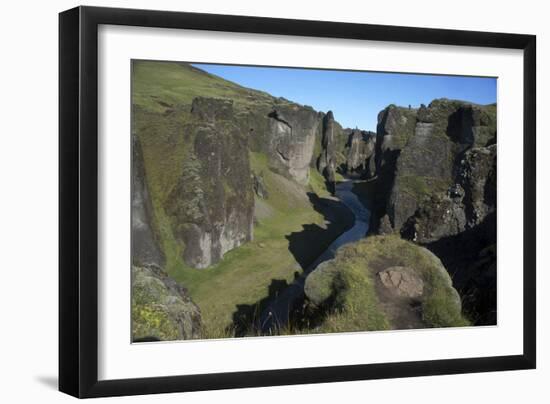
429	163
198	150
395	127
327	160
145	247
466	203
437	187
292	132
360	157
212	204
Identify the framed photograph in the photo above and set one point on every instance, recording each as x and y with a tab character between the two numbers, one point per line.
251	201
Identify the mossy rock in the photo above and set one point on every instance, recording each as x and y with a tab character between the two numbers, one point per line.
350	295
161	309
428	163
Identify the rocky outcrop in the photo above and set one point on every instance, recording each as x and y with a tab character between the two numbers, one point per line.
212	204
327	160
395	127
292	131
466	203
360	153
429	154
161	309
382	282
145	247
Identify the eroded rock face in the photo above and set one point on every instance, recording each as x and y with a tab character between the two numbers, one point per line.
395	127
465	205
212	205
161	309
327	160
428	164
145	249
292	131
360	153
259	186
443	195
460	227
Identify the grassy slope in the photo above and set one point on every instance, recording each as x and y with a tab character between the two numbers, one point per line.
178	83
245	273
162	94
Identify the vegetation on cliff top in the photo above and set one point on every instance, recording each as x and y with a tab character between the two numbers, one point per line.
349	285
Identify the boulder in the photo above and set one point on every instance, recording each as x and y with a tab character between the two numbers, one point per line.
161	309
374	282
402	281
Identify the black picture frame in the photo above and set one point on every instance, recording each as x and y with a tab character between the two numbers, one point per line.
78	201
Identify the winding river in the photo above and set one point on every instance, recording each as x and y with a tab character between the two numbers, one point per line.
276	313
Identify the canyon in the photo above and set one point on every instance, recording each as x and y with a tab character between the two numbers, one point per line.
255	215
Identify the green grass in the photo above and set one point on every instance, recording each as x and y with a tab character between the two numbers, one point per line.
356	306
350	280
317	183
158	86
244	273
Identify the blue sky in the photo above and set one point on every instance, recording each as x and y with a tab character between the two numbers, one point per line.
356	97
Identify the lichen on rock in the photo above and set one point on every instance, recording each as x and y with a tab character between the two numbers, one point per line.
428	145
161	309
212	204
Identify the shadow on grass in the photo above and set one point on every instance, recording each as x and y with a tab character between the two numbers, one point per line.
309	243
273	313
248	318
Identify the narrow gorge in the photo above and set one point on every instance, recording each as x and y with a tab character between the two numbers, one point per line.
255	215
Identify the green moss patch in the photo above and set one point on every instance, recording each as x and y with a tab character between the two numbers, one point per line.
348	285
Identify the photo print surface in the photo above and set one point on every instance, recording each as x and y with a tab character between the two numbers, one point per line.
283	201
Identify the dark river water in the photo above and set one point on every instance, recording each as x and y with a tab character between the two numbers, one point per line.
276	313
